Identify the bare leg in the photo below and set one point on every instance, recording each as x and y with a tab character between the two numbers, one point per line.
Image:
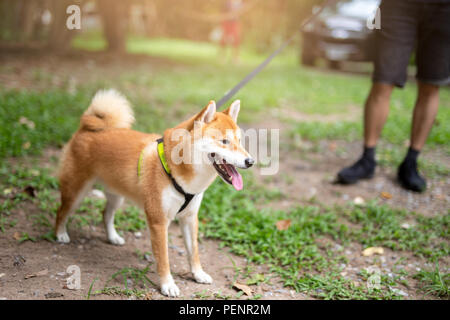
376	112
425	111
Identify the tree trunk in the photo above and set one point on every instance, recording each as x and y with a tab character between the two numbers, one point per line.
115	17
60	36
27	19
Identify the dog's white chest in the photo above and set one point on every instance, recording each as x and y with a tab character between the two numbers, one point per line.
172	201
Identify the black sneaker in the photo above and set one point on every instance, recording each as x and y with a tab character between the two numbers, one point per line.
361	169
409	177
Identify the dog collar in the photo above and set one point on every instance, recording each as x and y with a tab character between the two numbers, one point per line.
187	196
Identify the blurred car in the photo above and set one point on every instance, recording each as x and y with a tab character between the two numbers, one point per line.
340	33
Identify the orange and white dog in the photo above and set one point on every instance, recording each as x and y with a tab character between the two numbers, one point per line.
146	168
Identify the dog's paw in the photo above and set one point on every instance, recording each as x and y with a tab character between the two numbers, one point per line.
202	277
116	239
170	289
63	238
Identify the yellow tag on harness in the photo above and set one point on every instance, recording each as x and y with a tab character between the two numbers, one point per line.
139	168
162	156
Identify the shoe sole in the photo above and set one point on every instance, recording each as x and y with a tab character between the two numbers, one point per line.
345	181
408	187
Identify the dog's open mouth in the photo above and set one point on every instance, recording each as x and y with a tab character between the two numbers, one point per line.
228	173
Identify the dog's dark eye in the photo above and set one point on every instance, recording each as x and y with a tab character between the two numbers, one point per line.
225	141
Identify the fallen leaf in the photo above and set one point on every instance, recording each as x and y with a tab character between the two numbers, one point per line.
35	172
7	191
332	146
386	195
244	288
30	124
31	191
26	145
372	250
359	201
148	296
283	224
37	274
23	120
439	196
17	235
42	272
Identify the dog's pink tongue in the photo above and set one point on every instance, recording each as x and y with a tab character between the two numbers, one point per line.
237	181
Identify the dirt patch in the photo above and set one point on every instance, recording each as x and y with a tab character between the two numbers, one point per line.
99	260
352	113
307	174
304	174
37	270
38	70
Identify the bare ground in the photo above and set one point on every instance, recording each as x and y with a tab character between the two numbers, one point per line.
98	260
304	175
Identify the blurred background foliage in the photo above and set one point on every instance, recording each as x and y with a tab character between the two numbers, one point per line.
37	22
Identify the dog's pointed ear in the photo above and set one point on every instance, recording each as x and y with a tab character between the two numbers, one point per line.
207	114
233	110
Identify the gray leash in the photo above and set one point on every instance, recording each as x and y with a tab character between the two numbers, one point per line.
263	64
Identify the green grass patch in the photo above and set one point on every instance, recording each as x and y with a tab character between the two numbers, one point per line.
295	255
434	282
31	121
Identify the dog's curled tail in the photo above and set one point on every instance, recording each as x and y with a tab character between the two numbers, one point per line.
108	109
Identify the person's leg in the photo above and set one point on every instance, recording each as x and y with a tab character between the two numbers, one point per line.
433	70
376	111
423	118
394	43
425	112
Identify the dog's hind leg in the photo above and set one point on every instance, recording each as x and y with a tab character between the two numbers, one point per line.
73	190
113	203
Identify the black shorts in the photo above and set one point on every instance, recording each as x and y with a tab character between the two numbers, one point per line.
408	25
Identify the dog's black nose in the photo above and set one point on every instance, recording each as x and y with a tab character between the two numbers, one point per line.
249	162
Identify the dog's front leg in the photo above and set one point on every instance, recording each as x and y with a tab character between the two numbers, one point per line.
158	234
189	228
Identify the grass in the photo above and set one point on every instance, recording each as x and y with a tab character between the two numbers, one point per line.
434	282
135	284
31	120
47	119
294	254
382	226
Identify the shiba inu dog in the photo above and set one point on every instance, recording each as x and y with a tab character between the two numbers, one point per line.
166	176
